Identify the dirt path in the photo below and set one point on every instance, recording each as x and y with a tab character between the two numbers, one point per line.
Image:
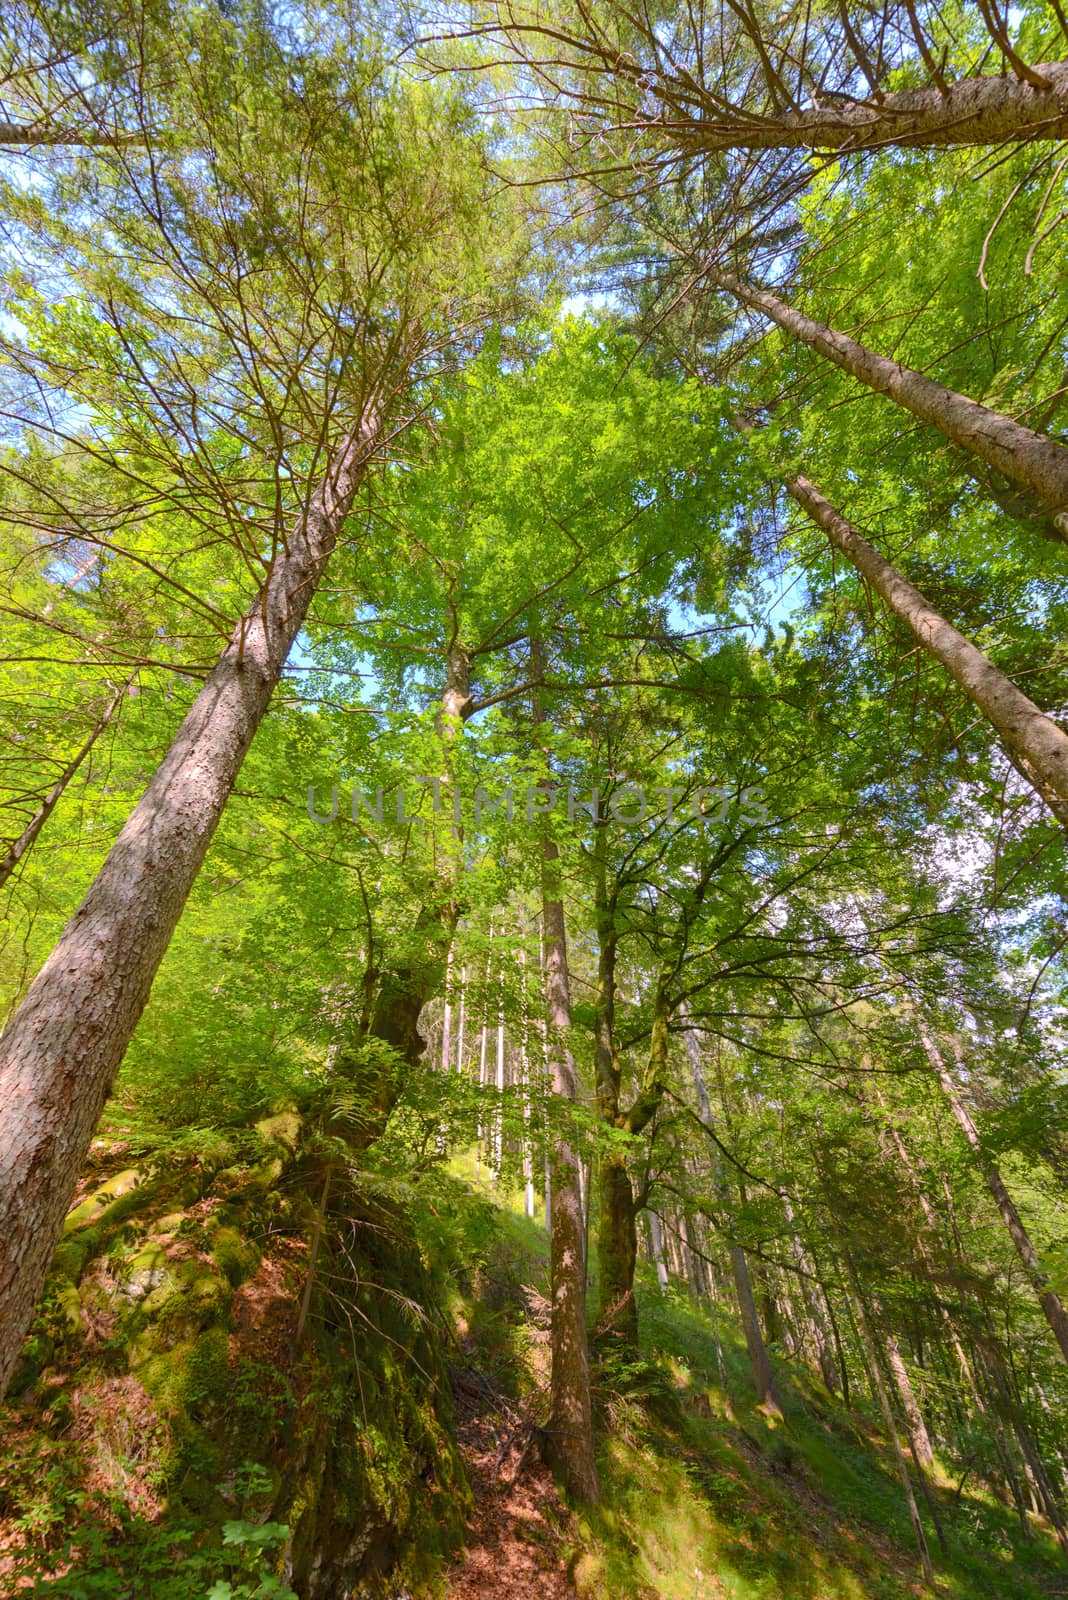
519	1522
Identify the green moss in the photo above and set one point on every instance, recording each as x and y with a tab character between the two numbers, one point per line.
151	1256
69	1305
352	1444
236	1258
73	1254
190	1377
95	1205
192	1297
283	1128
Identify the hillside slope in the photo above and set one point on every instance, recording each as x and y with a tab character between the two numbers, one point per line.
169	1435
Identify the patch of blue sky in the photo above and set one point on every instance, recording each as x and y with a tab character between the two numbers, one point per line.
779	607
583	304
358	684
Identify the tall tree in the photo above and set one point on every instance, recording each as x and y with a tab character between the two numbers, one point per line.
353	306
570	1419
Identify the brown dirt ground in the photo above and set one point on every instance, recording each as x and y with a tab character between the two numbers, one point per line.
519	1523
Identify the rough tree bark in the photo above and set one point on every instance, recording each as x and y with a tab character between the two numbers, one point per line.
970	112
60	1052
1039	747
570	1429
1030	459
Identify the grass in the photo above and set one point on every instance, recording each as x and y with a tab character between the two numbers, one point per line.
703	1500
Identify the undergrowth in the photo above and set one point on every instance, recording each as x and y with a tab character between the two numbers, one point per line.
704	1500
166	1444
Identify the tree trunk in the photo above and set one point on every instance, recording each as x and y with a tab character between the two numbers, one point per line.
617	1253
964	1366
763	1377
446	1017
483	1041
571	1417
1028	458
972	111
570	1430
817	1332
544	1031
460	1023
917	1427
1047	1297
481	1097
617	1231
524	1066
656	1250
498	1110
62	1048
883	1398
695	1267
1040	746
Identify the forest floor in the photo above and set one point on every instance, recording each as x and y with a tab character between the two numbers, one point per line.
703	1499
514	1534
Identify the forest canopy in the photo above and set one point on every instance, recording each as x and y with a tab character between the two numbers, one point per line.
534	579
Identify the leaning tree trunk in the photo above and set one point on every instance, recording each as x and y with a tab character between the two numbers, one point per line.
973	111
919	1438
1047	1297
1038	747
760	1365
902	1161
1030	459
62	1048
817	1331
879	1385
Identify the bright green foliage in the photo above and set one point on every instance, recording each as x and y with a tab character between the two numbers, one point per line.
569	569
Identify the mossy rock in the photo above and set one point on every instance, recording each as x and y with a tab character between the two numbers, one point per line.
236	1257
190	1297
95	1205
145	1272
284	1128
74	1252
69	1305
191	1378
